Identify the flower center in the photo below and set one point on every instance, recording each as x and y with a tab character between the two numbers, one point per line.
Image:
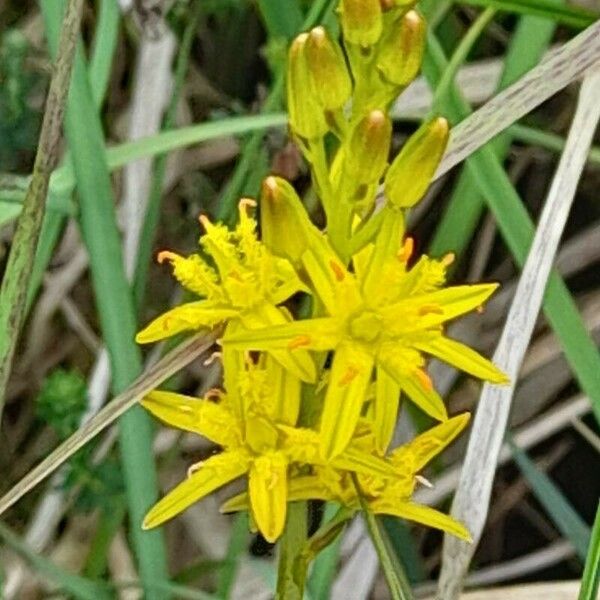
261	434
366	326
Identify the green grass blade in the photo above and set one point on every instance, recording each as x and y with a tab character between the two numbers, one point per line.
563	515
114	301
459	223
235	549
591	573
517	229
13	293
281	21
566	15
78	587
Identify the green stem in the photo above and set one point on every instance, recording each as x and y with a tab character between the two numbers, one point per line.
590	581
394	574
13	293
290	579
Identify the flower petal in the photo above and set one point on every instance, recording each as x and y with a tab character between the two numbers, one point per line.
268	494
447	304
308	488
427	445
194	414
421	514
191	316
285	388
462	357
344	399
385	409
313	334
211	475
357	461
236	503
418	389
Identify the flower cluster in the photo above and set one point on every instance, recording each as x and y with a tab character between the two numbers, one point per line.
309	405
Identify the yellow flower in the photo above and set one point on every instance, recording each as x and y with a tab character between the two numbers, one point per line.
253	422
383	495
243	288
384	315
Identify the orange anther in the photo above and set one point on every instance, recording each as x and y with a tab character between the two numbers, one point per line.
480	309
246	203
205	222
448	259
350	374
424	380
337	270
299	342
430	309
407	250
166	255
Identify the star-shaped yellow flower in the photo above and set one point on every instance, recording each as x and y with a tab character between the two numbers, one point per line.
382	494
243	288
253	422
384	315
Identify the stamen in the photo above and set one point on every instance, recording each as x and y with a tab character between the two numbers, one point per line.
166	255
244	205
299	342
213	393
349	376
211	359
449	259
480	309
407	250
194	468
423	481
337	270
205	222
430	309
424	379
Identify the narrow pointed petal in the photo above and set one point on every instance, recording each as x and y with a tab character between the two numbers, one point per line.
285	388
314	334
427	445
418	389
358	461
187	317
422	514
235	503
299	363
449	303
348	382
211	475
194	414
308	488
385	409
268	494
426	398
464	358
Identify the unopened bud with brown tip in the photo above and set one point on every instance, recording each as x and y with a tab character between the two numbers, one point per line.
306	115
401	50
412	170
326	62
369	147
362	21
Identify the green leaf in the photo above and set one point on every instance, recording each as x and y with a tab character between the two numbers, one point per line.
79	587
563	515
567	15
591	574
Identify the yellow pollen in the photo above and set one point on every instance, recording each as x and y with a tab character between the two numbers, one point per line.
299	342
166	255
349	376
407	250
424	380
449	259
430	309
337	270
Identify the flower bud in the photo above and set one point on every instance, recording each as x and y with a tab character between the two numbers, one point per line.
285	226
326	62
369	148
390	4
410	174
306	116
401	50
362	21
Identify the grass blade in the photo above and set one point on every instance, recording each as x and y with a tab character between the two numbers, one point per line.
472	497
78	587
18	270
591	573
176	360
564	516
567	15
